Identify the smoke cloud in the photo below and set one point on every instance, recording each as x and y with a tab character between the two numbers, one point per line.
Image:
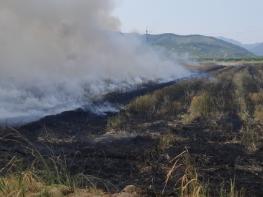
57	55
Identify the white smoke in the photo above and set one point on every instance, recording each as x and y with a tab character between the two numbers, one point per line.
56	55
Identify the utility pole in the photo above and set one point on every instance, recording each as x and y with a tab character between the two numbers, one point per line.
147	34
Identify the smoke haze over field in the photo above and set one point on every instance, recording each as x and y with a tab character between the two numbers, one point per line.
57	54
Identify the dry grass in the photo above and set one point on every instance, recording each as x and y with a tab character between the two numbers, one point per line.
258	114
251	136
143	106
232	191
116	122
195	99
47	176
166	141
20	185
170	108
202	105
27	184
189	184
256	98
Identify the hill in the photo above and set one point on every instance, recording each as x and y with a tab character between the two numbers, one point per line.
255	48
198	46
232	41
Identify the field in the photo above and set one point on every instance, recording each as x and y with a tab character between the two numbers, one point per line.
196	137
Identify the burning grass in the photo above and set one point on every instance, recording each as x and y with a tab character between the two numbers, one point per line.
223	129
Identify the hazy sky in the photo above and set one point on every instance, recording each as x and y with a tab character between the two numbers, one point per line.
237	19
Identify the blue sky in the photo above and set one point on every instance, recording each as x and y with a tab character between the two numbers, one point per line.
237	19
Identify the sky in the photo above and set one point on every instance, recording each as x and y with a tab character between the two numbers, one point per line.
241	20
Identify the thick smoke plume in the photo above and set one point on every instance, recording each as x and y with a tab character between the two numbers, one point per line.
58	54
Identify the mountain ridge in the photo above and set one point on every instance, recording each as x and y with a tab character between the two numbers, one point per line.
255	48
195	46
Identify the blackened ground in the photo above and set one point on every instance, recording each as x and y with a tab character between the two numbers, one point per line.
135	155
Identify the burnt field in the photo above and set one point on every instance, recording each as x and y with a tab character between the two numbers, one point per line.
200	136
